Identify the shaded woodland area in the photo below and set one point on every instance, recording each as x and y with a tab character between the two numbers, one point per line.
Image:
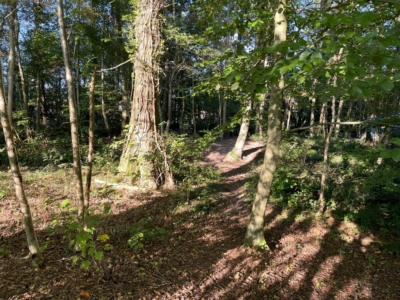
158	149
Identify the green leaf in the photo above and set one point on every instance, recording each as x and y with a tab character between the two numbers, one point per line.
387	84
392	153
235	86
98	255
284	70
85	265
395	141
65	203
301	79
356	91
217	87
316	54
305	55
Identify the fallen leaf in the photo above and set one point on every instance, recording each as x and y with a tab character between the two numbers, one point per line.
84	294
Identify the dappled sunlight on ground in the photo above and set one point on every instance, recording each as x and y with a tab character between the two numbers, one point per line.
199	255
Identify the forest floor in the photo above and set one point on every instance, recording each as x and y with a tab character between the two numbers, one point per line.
188	253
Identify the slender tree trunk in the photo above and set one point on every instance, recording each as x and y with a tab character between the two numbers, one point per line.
38	104
34	250
237	151
11	60
312	117
289	115
322	202
103	105
339	113
255	229
169	105
181	119
260	118
24	87
136	159
90	148
72	110
193	110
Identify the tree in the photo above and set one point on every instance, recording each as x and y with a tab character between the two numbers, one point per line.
137	159
255	229
11	59
34	250
72	110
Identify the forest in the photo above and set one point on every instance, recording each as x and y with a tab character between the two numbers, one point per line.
175	149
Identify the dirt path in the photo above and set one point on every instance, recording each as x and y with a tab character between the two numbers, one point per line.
200	253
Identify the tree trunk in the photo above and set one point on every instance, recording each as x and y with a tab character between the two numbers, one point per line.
34	250
90	147
38	104
103	105
125	104
260	118
193	110
24	82
340	108
237	151
322	120
11	60
322	202
139	148
72	110
169	105
255	229
312	116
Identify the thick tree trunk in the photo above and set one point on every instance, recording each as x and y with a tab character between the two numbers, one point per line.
139	148
34	250
237	151
255	229
72	110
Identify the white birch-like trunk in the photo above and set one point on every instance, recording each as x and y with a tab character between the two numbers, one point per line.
237	151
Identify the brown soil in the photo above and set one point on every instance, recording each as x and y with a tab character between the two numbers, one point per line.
202	256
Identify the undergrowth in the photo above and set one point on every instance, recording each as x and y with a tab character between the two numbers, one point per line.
361	187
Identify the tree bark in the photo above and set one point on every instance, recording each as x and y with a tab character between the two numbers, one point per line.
24	86
255	229
11	60
237	151
90	142
33	245
103	105
322	202
338	120
72	110
139	149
